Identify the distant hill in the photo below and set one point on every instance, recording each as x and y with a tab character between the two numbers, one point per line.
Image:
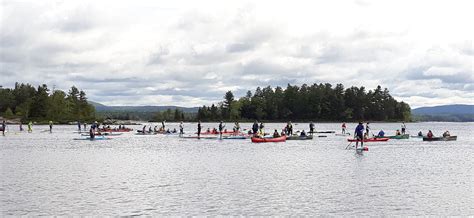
455	113
104	108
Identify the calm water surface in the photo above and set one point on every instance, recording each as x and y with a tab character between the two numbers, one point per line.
52	174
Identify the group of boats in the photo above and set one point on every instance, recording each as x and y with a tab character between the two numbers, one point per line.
102	134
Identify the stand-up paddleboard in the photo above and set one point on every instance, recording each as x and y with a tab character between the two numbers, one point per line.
93	139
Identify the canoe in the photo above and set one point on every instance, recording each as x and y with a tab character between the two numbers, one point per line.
448	138
261	140
370	140
405	136
308	137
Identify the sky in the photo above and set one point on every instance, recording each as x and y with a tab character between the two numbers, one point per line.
189	53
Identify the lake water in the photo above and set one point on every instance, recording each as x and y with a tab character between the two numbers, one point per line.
52	174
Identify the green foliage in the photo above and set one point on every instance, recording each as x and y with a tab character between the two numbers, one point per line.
321	102
28	103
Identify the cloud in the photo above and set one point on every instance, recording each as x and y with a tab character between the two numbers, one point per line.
189	53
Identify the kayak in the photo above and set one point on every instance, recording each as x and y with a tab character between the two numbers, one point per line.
448	138
261	140
236	137
308	137
323	132
93	139
369	140
405	136
196	137
103	133
223	133
146	133
115	130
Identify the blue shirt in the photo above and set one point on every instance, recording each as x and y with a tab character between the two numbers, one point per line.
359	129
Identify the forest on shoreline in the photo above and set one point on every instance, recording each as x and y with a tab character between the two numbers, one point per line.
27	103
317	102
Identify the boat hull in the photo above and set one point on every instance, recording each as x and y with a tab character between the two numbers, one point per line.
369	140
263	140
449	138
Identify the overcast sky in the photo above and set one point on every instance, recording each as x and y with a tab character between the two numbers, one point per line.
189	53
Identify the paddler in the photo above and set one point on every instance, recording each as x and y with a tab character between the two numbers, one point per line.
50	126
236	127
163	124
311	128
79	126
92	133
30	126
21	127
261	127
290	129
144	129
446	134
199	129
367	128
397	132
343	128
359	134
429	134
255	127
381	133
181	128
275	134
221	127
420	133
4	127
404	127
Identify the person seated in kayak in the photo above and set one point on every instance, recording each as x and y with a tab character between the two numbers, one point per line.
303	133
420	133
275	134
397	132
150	130
359	134
429	134
208	130
249	132
168	131
283	132
381	133
446	134
174	130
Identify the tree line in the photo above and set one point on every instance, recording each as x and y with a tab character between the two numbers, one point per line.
26	102
317	102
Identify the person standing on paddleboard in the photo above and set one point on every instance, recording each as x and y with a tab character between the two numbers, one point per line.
21	127
181	128
359	134
255	127
30	128
367	129
50	126
79	126
4	127
290	129
343	128
221	127
199	129
404	127
311	128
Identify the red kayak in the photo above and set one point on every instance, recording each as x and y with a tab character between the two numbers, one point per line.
260	140
370	140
